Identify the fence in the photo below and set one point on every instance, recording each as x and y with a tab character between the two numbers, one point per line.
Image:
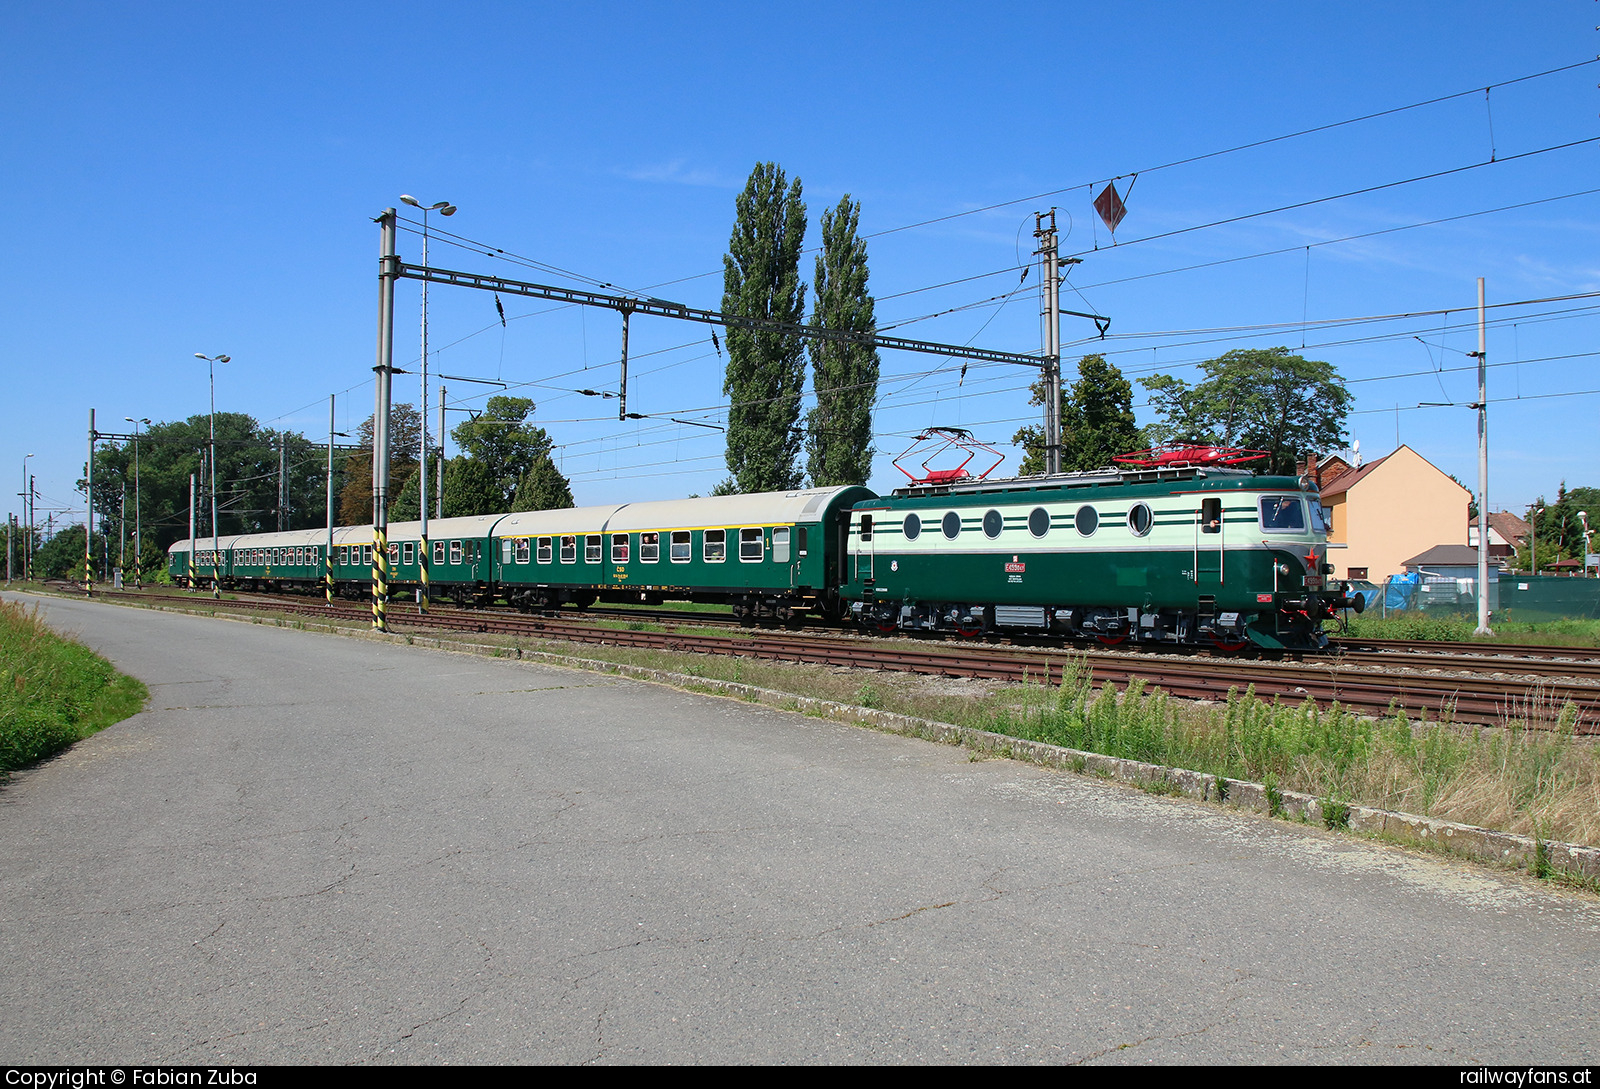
1530	598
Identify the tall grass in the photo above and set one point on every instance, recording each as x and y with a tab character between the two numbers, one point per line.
1531	775
1456	628
53	691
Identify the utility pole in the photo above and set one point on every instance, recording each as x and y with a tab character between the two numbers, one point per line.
283	491
1483	471
122	536
88	518
438	507
328	562
192	571
388	271
33	522
1050	287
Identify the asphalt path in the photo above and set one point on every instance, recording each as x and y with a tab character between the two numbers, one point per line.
318	848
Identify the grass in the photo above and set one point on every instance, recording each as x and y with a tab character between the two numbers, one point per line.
53	691
1454	628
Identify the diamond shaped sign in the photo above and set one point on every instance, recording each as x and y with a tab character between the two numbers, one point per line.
1110	207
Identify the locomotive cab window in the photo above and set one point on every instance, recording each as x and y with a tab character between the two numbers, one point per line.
714	545
569	550
1282	514
619	548
1211	516
866	527
591	548
649	547
682	549
752	546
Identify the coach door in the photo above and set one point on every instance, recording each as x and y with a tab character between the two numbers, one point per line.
1208	545
864	548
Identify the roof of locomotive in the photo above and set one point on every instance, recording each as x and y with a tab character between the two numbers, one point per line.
1194	476
761	508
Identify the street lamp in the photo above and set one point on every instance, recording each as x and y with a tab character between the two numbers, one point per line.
216	568
444	208
27	510
1583	516
138	540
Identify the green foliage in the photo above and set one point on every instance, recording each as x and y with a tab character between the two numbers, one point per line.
470	488
543	487
1264	399
61	557
766	369
407	504
1097	420
53	691
844	376
501	438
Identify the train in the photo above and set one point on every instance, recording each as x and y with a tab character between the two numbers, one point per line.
1178	551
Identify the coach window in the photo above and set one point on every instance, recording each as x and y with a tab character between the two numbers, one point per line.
752	546
366	555
682	548
1211	516
508	548
951	525
1087	520
394	555
569	550
1140	520
802	540
408	554
455	551
911	527
591	548
714	546
780	545
545	553
649	547
524	549
619	548
438	552
993	524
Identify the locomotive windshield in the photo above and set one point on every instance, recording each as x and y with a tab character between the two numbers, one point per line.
1283	514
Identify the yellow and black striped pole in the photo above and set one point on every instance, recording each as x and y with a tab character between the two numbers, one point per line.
422	565
380	578
327	577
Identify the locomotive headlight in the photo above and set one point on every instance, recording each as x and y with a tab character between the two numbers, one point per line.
1282	569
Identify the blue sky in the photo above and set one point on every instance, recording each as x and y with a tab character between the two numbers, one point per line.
192	178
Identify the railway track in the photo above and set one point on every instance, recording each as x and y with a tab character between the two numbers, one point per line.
1366	681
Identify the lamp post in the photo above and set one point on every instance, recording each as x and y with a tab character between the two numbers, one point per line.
27	510
444	208
1583	516
216	563
138	539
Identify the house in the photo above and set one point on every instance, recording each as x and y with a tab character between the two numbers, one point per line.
1386	510
1507	533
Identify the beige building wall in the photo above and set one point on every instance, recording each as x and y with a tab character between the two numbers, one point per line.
1401	508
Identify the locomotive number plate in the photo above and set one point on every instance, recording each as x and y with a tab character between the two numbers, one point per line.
1016	568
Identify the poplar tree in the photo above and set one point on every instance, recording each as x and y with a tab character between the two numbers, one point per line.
766	368
844	375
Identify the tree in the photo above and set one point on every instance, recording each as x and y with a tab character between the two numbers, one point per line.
470	489
505	443
844	375
1097	421
405	446
766	368
543	487
1261	398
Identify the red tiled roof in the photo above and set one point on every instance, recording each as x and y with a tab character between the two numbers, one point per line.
1343	481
